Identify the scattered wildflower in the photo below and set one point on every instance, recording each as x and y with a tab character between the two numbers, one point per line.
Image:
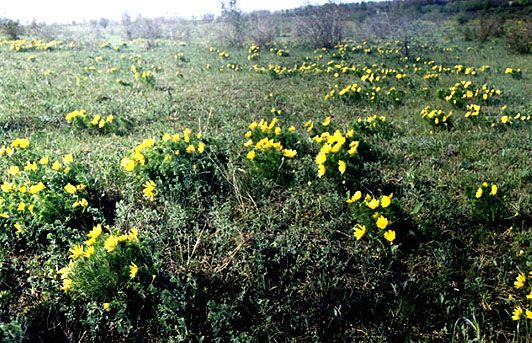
359	231
149	190
389	236
133	270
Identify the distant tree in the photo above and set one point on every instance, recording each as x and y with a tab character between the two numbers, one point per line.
104	22
10	28
235	21
319	26
209	17
126	24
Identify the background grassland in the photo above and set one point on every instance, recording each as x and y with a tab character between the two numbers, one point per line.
272	263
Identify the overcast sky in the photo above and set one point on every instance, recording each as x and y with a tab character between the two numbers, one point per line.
66	11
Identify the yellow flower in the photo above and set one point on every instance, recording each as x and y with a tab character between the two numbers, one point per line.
76	251
290	153
37	188
18	227
21	206
382	222
386	200
389	236
110	243
149	190
359	231
6	187
107	307
321	170
70	189
95	232
128	164
57	166
321	158
89	251
354	197
494	189
95	119
30	166
133	270
13	170
251	155
504	119
67	285
201	147
66	270
186	135
67	159
22	143
342	166
191	148
529	296
528	314
327	121
133	235
479	192
520	281
373	203
516	314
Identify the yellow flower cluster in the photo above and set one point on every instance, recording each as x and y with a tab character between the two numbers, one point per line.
21	45
358	92
485	186
473	111
523	300
220	53
262	137
176	144
465	91
280	52
97	244
26	187
145	76
336	149
80	117
435	116
378	217
253	52
508	119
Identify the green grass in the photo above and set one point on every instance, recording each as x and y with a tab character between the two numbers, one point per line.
255	261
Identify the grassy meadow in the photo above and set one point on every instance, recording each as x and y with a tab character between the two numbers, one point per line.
257	194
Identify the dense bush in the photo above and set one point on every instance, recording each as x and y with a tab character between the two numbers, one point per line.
519	36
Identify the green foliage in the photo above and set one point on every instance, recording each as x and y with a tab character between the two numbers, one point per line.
10	28
233	249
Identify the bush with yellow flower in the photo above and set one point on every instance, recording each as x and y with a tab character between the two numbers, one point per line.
96	123
270	149
174	162
37	189
110	274
374	216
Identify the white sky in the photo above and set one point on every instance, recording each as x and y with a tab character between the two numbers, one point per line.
66	11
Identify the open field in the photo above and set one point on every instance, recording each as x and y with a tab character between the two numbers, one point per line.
226	182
